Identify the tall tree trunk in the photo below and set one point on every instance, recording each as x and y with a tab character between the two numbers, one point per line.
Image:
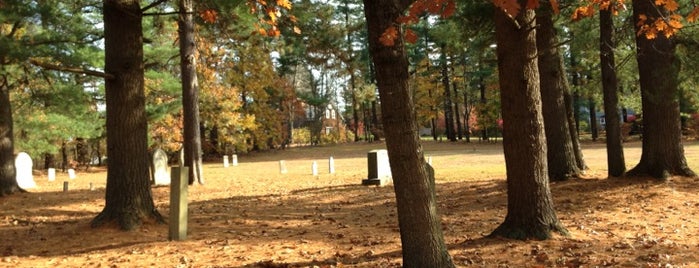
448	111
467	115
457	112
190	92
658	67
420	228
561	158
484	100
128	198
530	213
615	152
376	124
8	180
573	128
355	107
592	107
433	120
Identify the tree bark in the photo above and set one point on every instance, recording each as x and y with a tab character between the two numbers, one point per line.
8	180
190	92
561	156
467	114
592	107
573	127
530	213
448	111
662	153
457	112
484	100
128	199
420	227
615	151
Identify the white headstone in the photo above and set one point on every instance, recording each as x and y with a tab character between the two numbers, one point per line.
331	165
379	168
23	164
314	168
71	173
161	174
235	160
282	167
52	174
225	161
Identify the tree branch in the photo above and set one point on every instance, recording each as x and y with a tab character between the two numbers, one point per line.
71	69
164	13
152	5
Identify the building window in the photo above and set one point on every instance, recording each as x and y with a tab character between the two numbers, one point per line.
327	113
328	130
332	114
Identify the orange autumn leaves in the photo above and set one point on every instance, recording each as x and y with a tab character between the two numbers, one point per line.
445	8
269	14
649	26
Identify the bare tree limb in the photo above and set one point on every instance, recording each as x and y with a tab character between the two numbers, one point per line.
76	70
152	5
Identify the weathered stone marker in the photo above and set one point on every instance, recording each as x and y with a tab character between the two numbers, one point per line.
23	165
65	186
235	160
331	165
52	174
225	161
282	167
160	172
178	204
379	168
314	168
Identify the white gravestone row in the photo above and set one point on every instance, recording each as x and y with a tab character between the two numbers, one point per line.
161	174
314	166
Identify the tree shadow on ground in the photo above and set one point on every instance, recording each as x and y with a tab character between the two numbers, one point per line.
357	223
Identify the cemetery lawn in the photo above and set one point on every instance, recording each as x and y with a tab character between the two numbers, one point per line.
250	215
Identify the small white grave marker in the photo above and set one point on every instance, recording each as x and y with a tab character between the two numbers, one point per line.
225	161
314	168
71	173
52	174
331	165
23	165
282	167
235	160
161	174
